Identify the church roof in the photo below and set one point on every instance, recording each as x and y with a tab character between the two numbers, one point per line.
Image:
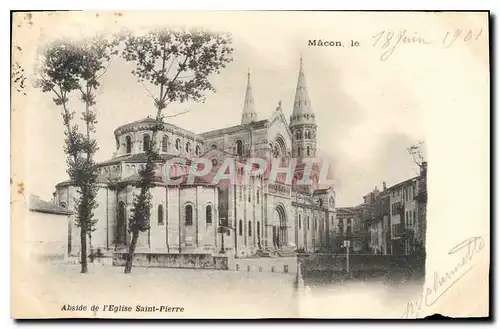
136	178
302	104
38	205
321	191
134	158
233	129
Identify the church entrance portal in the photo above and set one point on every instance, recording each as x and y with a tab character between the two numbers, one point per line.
280	231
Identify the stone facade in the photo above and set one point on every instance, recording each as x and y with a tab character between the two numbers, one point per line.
265	217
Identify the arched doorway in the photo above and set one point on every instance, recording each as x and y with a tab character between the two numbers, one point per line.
280	229
121	224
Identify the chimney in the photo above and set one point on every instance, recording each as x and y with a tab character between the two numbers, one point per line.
384	186
423	168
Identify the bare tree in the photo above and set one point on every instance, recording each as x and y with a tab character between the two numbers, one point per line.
177	64
417	154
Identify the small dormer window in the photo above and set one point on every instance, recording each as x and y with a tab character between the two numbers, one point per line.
177	144
188	147
197	150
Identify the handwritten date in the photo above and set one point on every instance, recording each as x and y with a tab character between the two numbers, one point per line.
389	40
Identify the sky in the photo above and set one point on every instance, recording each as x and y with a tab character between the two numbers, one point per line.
366	111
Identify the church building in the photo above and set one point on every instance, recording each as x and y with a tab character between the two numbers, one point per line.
259	217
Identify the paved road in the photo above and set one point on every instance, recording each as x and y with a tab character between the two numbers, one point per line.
202	293
205	293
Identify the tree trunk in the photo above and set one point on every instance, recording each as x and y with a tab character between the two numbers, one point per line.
83	253
131	251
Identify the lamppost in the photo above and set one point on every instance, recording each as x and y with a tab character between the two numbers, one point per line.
222	229
347	245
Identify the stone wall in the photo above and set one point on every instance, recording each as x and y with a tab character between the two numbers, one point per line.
362	263
194	261
264	264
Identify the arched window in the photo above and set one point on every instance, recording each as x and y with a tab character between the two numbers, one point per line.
188	147
189	215
308	150
160	215
239	147
128	141
197	150
300	222
121	224
320	202
332	202
164	144
258	229
249	228
240	227
308	227
258	195
208	215
298	151
146	139
177	144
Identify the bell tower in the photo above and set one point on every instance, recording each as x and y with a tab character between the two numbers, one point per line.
302	121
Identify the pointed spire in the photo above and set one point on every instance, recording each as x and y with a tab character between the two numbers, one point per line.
302	104
249	113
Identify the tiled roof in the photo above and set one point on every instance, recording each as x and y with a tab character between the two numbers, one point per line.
408	181
136	177
38	205
321	191
134	158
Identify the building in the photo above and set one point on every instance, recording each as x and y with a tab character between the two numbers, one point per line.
263	216
396	216
47	237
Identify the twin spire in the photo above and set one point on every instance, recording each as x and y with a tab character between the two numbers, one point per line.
249	113
302	104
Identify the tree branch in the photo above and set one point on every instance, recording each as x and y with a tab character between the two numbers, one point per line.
105	70
175	115
174	79
148	91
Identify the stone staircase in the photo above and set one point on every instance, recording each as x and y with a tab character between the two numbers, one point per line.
283	252
286	251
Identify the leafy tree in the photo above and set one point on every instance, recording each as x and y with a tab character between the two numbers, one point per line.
67	67
178	64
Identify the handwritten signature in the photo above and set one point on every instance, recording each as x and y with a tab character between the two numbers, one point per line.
389	40
442	282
